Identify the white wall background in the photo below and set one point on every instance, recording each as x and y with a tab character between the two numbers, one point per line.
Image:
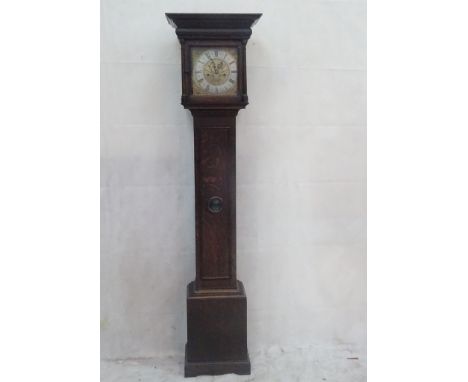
300	173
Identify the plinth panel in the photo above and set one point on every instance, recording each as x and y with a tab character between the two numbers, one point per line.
216	333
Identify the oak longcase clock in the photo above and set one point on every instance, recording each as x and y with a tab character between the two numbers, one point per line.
214	88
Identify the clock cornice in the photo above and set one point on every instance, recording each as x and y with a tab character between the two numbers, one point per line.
213	25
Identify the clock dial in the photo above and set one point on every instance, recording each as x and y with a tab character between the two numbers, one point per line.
214	71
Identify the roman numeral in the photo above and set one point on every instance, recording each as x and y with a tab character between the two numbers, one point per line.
216	53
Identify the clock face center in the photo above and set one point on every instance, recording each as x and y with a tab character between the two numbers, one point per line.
216	71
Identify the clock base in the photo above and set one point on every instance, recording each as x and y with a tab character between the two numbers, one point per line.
216	332
194	369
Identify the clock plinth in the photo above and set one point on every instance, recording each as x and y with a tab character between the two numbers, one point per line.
216	332
214	88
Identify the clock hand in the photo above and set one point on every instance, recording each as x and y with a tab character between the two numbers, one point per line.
215	67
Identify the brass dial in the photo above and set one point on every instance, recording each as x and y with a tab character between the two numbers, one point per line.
214	71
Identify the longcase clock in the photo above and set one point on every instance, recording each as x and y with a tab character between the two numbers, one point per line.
214	88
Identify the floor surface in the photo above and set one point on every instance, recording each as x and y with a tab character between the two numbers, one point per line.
275	364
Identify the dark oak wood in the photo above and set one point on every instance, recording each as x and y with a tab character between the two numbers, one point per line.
217	332
215	176
216	300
